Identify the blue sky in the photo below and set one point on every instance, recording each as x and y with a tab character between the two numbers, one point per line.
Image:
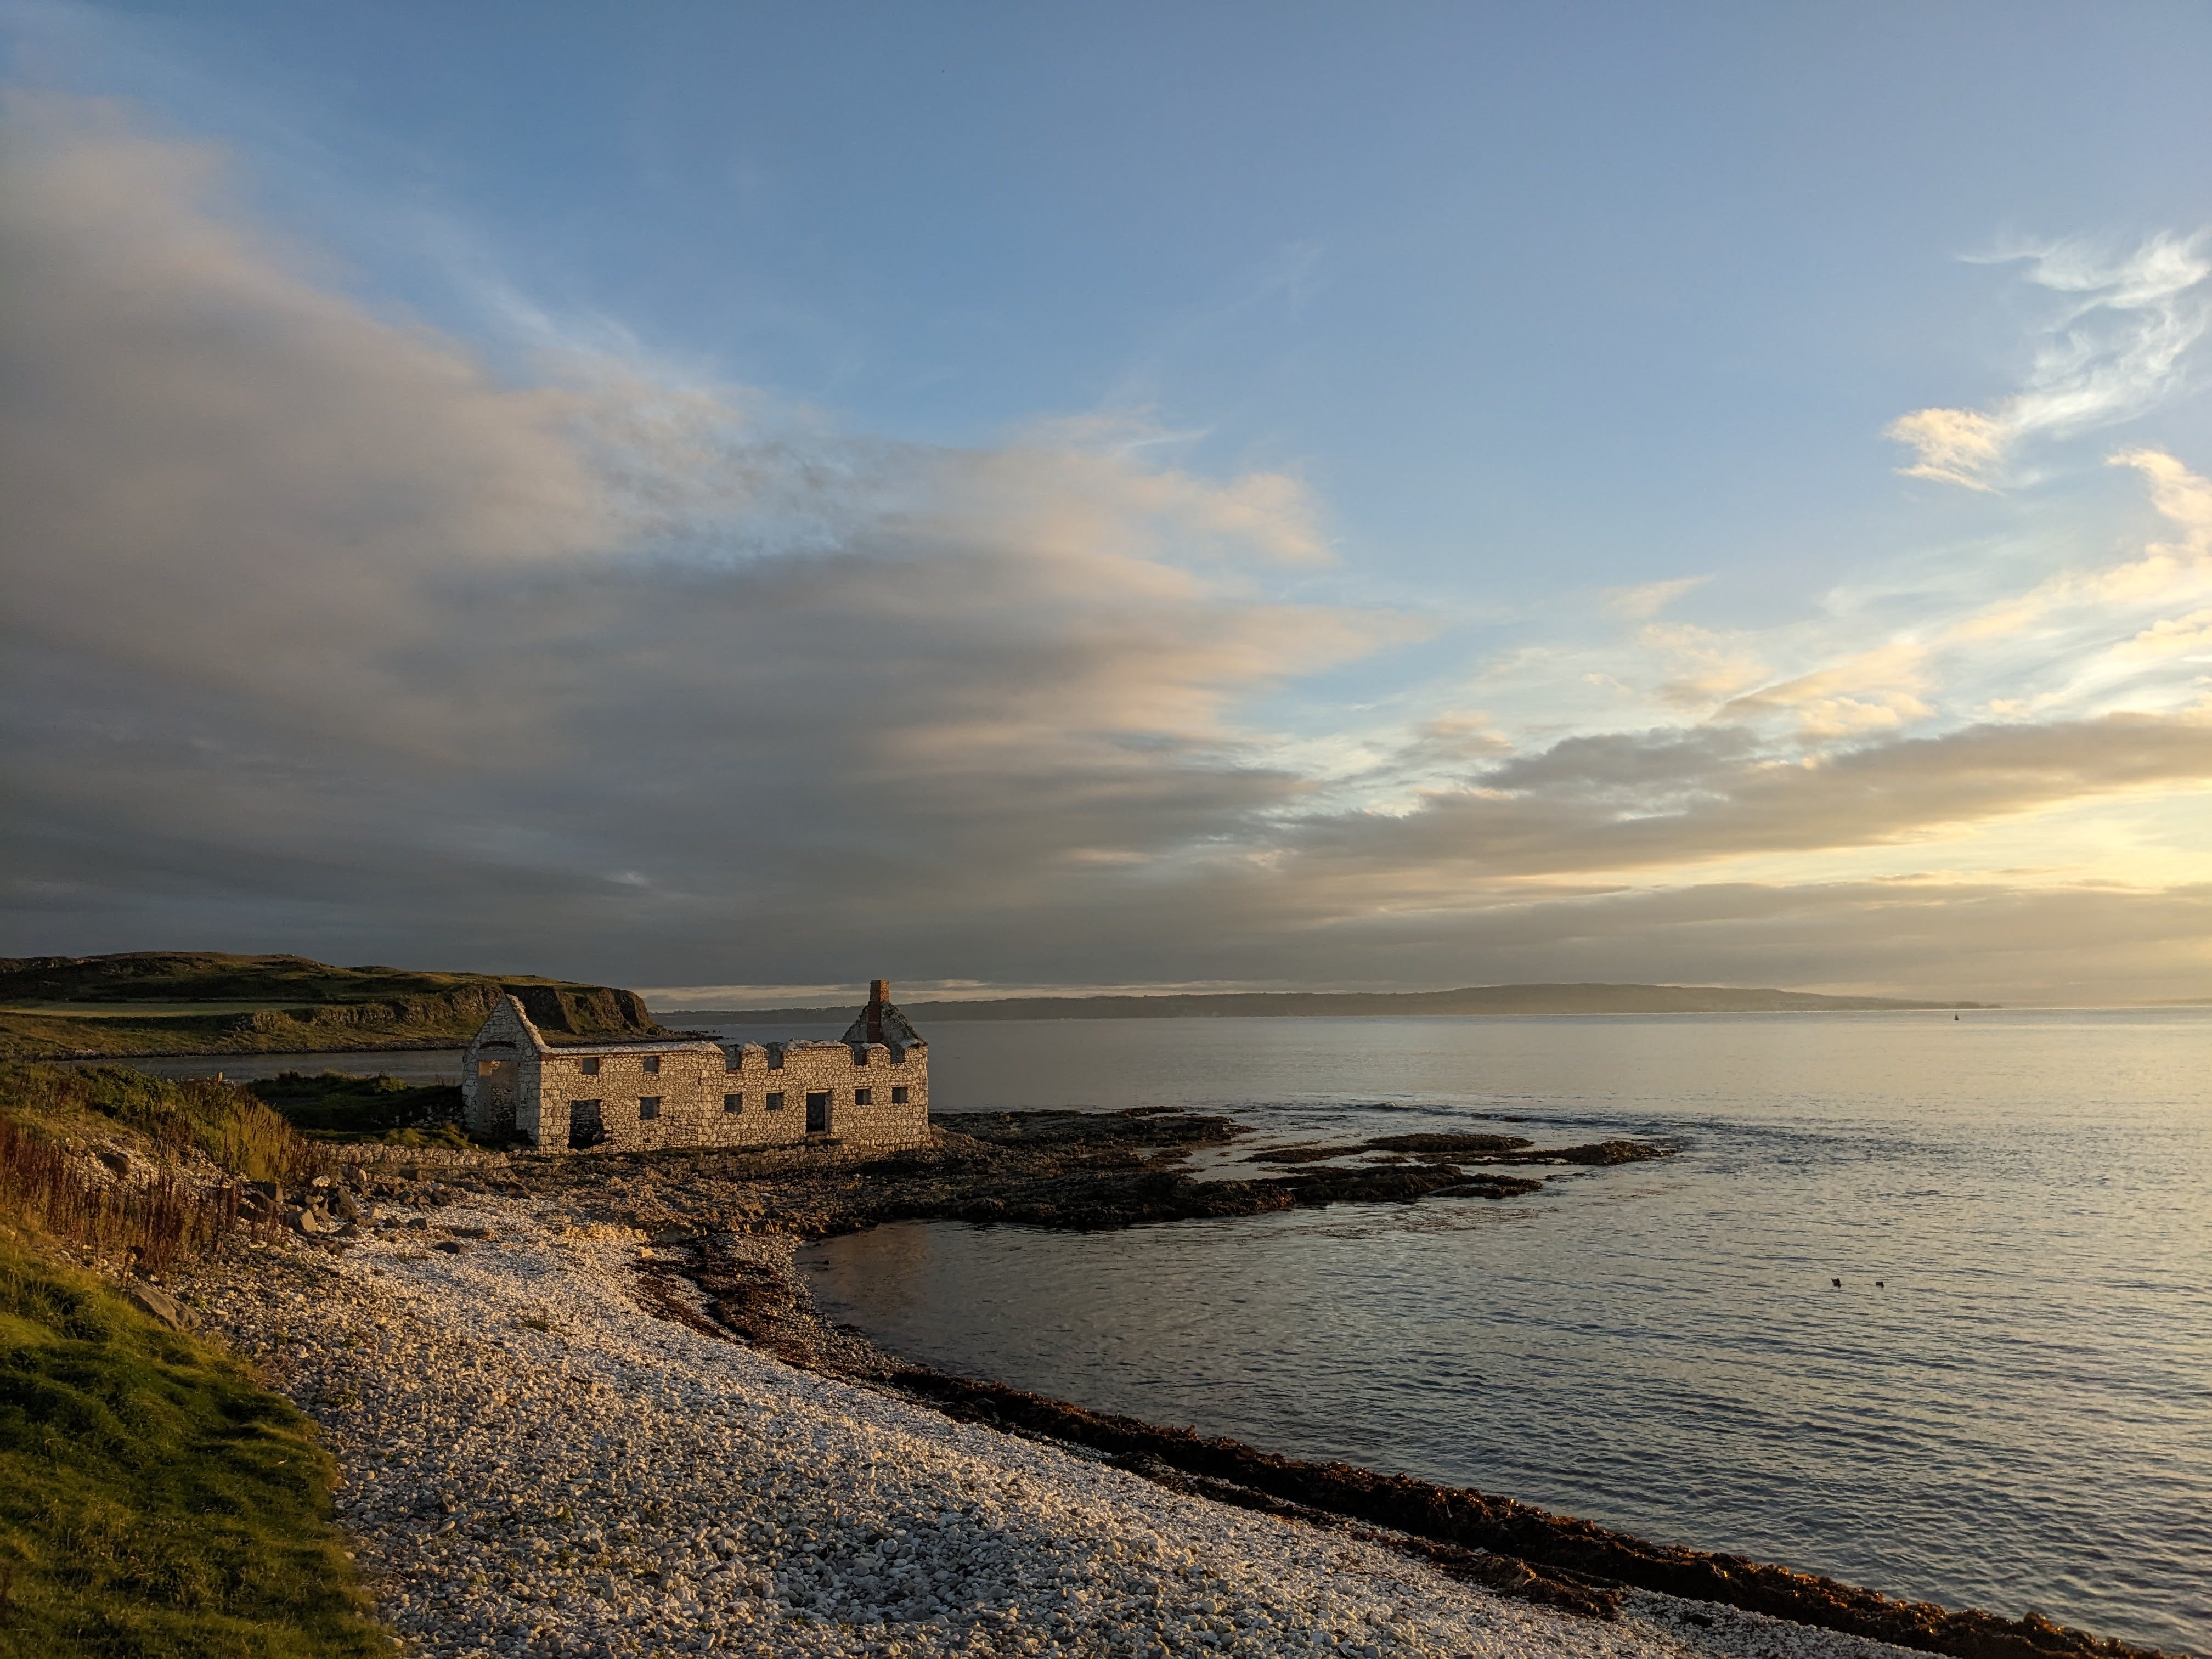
1444	391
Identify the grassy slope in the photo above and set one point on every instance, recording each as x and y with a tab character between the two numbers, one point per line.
36	1035
136	1004
335	1106
154	1499
103	1105
190	976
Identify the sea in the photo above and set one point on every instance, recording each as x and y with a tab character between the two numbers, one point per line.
2006	1403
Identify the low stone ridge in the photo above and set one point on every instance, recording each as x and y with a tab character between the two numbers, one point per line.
1555	1559
1073	1171
1461	1148
1509	1547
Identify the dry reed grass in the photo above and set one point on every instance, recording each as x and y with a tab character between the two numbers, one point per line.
146	1220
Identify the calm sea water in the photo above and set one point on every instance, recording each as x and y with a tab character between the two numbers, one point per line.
2020	1416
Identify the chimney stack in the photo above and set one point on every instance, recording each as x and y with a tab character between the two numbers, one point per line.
879	991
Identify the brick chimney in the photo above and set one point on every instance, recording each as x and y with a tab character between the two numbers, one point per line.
879	991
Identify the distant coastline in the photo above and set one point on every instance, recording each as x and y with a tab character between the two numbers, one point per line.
1475	999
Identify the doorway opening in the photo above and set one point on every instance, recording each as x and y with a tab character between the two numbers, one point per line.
818	1114
586	1127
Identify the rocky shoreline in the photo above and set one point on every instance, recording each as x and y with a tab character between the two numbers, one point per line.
706	1247
1075	1170
537	1461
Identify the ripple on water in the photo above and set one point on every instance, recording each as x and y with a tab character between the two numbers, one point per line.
2018	1418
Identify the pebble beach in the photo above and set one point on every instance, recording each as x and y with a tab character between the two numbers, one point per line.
533	1463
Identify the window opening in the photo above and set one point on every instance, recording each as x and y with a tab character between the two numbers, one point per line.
649	1106
733	1103
898	1094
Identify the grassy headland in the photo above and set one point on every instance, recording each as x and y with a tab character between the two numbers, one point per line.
154	1002
154	1498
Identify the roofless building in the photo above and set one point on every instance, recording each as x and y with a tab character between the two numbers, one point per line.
869	1089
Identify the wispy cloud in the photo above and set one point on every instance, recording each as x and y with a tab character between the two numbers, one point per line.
2118	346
320	634
1647	600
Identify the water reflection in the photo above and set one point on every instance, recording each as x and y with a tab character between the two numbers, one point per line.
2017	1416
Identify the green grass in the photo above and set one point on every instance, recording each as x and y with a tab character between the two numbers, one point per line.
134	1009
154	1501
336	1106
204	1002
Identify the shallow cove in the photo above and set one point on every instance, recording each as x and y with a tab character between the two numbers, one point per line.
2019	1417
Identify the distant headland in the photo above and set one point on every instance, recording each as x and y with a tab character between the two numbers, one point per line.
1494	1000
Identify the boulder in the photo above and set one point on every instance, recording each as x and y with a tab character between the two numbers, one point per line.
159	1305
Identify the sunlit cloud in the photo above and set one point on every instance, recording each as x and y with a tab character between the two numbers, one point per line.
322	634
1647	600
2117	346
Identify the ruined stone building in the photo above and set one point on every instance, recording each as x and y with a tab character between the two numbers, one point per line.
869	1089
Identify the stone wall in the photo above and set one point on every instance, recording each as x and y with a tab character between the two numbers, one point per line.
690	1092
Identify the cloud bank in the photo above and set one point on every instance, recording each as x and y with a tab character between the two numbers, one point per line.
322	636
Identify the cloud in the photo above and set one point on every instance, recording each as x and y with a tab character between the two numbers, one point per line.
1710	667
1647	600
1956	446
1598	808
1874	690
2168	571
310	610
324	636
2173	637
2118	346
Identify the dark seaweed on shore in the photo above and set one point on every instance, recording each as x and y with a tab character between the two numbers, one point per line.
1508	1546
1085	1170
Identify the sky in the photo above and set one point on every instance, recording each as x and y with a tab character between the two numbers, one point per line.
739	500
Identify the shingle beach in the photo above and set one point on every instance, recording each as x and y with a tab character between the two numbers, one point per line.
535	1464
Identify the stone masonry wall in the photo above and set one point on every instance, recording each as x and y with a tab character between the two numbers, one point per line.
713	1097
703	1094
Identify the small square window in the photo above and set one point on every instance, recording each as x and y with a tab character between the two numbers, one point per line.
651	1062
864	1097
734	1059
776	1056
649	1106
589	1065
859	1053
898	1094
733	1103
775	1102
